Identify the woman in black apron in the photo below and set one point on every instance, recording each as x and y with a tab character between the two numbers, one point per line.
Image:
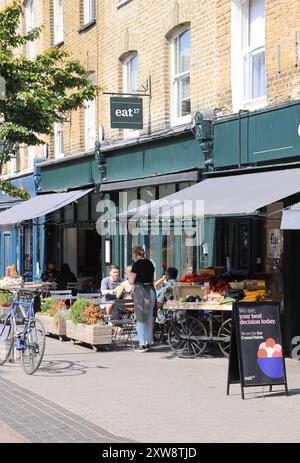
144	295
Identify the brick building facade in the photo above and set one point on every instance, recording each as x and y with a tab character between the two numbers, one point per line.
145	28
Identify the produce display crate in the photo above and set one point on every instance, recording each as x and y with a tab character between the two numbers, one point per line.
255	284
184	289
237	284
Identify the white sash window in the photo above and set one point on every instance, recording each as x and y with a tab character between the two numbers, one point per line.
180	92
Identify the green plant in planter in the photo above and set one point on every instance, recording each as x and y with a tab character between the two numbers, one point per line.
5	299
77	310
47	304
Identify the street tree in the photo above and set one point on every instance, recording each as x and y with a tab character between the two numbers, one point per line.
34	93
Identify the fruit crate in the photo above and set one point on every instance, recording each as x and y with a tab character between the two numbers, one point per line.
181	290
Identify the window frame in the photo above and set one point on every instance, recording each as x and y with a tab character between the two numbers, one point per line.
121	3
58	7
31	156
90	115
241	58
58	140
129	133
29	26
89	11
175	78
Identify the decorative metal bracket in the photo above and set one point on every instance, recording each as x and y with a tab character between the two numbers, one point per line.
37	175
101	160
204	135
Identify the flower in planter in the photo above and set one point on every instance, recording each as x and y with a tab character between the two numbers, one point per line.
93	314
60	305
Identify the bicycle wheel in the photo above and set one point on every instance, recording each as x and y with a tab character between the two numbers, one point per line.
34	341
185	335
225	332
6	341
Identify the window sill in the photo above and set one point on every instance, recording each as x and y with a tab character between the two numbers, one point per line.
122	3
58	156
58	44
87	26
181	120
128	134
258	103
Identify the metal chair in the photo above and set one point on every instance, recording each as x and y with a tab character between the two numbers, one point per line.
73	286
61	294
95	296
124	324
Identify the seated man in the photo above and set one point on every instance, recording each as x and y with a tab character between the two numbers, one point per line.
109	287
162	285
50	274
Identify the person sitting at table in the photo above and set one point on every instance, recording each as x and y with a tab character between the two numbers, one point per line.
64	277
50	274
162	286
124	292
108	288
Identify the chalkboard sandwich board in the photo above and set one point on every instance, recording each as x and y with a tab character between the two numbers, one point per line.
256	357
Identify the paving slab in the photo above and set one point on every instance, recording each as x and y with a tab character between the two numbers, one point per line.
150	397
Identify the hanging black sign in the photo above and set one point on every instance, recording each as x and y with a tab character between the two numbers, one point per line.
256	357
126	112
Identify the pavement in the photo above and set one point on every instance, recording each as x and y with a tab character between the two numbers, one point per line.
79	395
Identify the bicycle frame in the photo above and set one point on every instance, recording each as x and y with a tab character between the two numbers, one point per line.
27	316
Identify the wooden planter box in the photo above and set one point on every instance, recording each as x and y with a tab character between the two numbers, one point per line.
53	326
95	335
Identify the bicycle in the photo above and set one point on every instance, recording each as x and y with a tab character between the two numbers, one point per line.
29	340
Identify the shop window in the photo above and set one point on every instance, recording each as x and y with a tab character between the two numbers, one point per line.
69	214
58	21
242	241
127	200
168	252
188	256
27	243
130	85
89	253
165	190
180	91
29	25
83	209
248	54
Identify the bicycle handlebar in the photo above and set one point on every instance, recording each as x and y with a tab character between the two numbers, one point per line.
22	292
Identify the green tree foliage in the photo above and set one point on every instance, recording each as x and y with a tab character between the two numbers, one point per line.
39	91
